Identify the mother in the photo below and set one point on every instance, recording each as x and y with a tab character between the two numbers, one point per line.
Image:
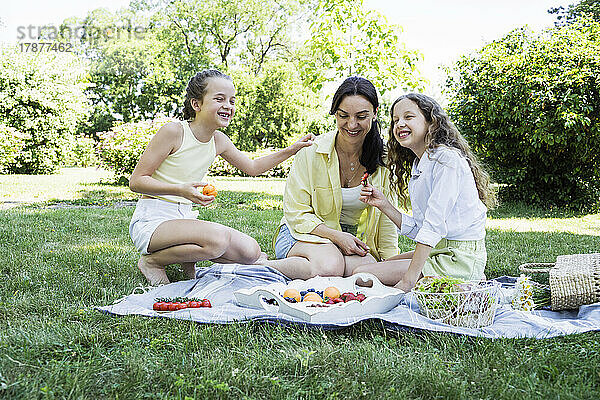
325	229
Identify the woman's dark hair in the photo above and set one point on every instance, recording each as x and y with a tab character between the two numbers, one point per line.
196	89
372	149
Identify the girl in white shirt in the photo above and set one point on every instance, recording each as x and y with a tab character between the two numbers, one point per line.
449	194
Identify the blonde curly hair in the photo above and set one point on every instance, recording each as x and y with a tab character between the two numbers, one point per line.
442	132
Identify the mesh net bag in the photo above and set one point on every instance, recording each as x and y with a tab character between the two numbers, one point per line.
466	304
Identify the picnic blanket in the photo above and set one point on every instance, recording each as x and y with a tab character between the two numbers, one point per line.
219	282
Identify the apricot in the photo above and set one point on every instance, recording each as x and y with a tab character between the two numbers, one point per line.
209	190
312	296
292	294
332	292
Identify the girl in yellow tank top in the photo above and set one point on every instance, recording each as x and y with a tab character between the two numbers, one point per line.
169	176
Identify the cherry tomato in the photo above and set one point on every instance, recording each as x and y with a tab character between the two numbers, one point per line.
156	306
194	304
164	306
206	303
181	306
172	306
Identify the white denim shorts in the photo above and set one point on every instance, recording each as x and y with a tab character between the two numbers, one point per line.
149	214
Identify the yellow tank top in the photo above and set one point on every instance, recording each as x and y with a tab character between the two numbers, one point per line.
189	163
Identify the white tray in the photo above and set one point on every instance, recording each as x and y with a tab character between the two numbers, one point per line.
379	298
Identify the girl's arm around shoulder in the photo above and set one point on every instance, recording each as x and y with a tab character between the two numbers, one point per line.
235	157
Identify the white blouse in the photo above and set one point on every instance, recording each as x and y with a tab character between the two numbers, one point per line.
444	199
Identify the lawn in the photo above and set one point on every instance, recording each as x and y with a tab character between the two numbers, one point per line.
64	249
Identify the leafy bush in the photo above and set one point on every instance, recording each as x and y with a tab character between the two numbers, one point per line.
273	109
120	148
530	106
82	153
11	144
222	168
42	96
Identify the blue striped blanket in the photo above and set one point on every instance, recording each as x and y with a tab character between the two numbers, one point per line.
219	282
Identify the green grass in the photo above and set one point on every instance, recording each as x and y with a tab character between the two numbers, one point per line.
56	264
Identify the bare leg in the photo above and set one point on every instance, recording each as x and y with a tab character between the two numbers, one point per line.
306	260
388	272
262	258
402	256
355	261
154	273
185	241
243	249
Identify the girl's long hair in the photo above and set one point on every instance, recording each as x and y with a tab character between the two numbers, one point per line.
442	132
196	89
372	148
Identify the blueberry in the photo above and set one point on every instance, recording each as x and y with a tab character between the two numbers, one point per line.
310	290
303	293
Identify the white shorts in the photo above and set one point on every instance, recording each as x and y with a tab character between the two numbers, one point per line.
149	214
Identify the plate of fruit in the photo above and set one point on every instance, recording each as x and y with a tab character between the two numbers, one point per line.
323	299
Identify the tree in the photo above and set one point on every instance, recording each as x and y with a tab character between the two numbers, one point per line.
272	109
135	73
530	106
345	40
234	33
585	8
42	97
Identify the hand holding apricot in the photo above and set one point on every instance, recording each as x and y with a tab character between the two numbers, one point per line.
209	190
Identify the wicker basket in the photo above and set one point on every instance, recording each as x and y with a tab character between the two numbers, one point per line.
474	308
574	279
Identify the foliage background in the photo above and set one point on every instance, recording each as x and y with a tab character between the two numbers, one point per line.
42	97
530	106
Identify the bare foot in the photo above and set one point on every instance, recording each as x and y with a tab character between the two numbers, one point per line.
189	269
155	274
261	259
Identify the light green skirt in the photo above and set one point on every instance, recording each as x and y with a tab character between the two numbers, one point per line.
464	259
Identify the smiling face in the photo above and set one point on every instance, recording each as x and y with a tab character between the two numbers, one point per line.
218	105
409	126
354	117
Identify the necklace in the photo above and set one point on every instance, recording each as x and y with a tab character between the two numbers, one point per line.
347	181
353	168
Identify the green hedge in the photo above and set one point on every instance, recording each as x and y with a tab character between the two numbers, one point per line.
530	106
120	149
12	143
222	168
42	96
82	153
